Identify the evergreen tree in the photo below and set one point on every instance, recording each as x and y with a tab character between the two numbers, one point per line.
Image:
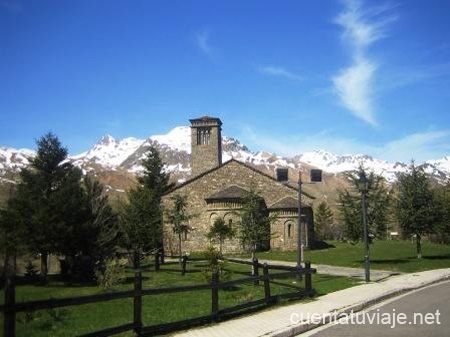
70	219
324	222
351	216
219	232
101	231
49	201
140	222
11	238
141	215
254	223
415	207
154	177
179	217
378	201
442	198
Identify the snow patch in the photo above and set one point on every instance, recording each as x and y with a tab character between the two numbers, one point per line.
108	152
178	138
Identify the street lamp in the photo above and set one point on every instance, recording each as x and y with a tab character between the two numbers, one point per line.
363	188
316	177
162	251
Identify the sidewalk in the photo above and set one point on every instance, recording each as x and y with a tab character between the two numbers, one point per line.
276	322
375	275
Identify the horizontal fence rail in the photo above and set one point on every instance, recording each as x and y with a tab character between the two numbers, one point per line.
11	307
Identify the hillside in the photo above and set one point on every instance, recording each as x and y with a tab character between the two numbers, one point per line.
117	162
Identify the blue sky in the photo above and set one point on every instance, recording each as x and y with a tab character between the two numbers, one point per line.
284	76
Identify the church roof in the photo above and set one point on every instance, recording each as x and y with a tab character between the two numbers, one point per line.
240	163
206	119
285	203
232	192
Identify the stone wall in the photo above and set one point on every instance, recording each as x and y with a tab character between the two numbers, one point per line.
204	185
206	156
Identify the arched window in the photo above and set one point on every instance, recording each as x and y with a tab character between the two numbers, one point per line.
289	230
230	223
204	136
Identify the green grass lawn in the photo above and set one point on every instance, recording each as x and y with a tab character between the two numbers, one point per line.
388	255
70	321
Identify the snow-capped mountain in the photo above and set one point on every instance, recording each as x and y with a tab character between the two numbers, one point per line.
338	164
178	139
108	152
124	157
14	159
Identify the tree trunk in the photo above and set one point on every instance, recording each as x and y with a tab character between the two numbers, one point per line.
44	266
179	248
419	246
136	260
253	259
10	264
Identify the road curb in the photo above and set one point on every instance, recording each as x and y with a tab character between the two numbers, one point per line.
297	329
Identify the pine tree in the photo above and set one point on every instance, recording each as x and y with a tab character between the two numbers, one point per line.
140	222
324	222
101	231
442	211
141	215
255	223
154	177
378	201
49	201
11	238
415	207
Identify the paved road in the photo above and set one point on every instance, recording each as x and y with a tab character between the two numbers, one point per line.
375	275
424	301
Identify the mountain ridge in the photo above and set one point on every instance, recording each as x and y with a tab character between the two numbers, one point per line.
117	162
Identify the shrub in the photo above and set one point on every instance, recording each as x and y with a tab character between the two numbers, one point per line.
111	274
31	273
55	317
215	265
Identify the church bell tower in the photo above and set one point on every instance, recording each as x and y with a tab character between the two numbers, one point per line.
206	144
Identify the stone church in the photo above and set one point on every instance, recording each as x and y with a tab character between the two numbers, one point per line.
218	189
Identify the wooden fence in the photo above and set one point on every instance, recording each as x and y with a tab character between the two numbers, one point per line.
11	307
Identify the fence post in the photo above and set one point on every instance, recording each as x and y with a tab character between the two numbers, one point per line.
162	254
266	283
215	294
300	271
10	314
137	301
157	260
183	265
255	270
308	277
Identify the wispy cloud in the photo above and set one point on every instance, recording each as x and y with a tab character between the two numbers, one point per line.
421	146
402	77
279	71
354	84
202	42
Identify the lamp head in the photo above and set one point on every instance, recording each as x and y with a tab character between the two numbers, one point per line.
362	182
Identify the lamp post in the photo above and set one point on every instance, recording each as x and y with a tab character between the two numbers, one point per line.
162	251
299	222
362	182
316	177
